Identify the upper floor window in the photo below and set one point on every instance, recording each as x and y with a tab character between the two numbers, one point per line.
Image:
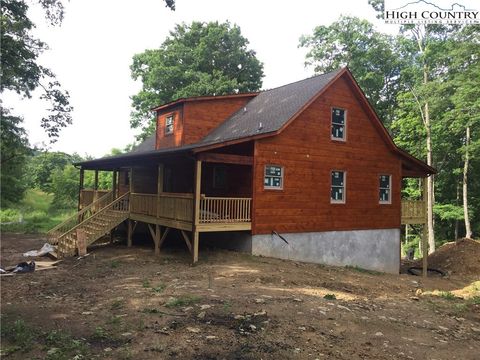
169	120
273	177
339	121
337	192
385	185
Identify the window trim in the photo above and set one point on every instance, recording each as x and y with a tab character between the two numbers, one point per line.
282	177
344	139
390	188
344	200
171	115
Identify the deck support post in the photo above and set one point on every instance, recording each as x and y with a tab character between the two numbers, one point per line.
156	237
80	188
95	189
425	232
196	210
129	233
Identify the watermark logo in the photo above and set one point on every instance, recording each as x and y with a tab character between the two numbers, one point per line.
432	12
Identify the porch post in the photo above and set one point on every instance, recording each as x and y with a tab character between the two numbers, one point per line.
425	232
129	233
80	188
159	187
114	184
157	239
196	209
95	189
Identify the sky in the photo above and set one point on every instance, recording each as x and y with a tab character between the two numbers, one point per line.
92	50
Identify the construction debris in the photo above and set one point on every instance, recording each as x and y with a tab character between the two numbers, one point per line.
46	249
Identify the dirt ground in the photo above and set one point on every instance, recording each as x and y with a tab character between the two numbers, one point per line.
126	303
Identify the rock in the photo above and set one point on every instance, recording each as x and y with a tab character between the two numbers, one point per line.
87	313
187	308
127	334
414	298
201	315
302	328
239	317
343	307
378	333
52	351
297	299
210	337
108	349
205	307
443	328
260	313
252	327
364	318
418	292
193	330
474	329
259	301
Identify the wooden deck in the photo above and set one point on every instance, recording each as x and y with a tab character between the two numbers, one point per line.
413	212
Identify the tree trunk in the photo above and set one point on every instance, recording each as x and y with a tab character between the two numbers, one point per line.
456	203
430	182
468	229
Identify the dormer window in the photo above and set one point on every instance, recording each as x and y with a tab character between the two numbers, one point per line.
169	120
339	121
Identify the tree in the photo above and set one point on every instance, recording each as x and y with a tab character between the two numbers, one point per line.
197	59
369	54
14	149
20	70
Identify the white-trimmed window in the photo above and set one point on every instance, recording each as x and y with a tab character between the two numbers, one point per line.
337	192
339	124
169	121
273	178
385	189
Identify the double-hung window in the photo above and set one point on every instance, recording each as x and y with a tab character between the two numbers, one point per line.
339	123
385	185
169	121
337	192
273	178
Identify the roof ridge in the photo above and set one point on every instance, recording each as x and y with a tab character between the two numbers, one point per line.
308	78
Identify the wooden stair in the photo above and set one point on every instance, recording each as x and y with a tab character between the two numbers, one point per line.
92	224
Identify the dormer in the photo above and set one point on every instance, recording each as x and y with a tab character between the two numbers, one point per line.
187	121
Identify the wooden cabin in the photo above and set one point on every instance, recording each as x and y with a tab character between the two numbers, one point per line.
305	171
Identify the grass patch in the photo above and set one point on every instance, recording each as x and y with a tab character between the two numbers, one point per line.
447	295
114	264
146	284
33	214
117	304
58	345
63	346
100	334
362	270
184	300
330	297
227	306
19	335
159	288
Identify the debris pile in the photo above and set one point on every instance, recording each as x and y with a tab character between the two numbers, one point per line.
460	257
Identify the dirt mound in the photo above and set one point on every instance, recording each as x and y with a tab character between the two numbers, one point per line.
460	257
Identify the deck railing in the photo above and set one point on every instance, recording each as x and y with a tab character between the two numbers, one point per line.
224	210
173	206
179	207
88	196
413	212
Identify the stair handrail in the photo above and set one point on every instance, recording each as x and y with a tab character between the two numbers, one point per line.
102	210
78	215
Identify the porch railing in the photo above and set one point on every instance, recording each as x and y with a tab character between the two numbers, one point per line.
88	196
179	206
173	206
224	210
413	212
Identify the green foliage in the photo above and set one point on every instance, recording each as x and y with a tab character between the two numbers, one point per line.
447	295
14	149
10	215
159	288
20	71
197	59
448	211
19	334
370	56
63	346
330	297
65	187
184	300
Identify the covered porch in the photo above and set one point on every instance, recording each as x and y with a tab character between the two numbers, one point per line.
205	192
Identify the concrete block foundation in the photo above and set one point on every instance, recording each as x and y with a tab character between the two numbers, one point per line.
377	250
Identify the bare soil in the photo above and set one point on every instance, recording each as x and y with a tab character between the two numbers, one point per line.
126	303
